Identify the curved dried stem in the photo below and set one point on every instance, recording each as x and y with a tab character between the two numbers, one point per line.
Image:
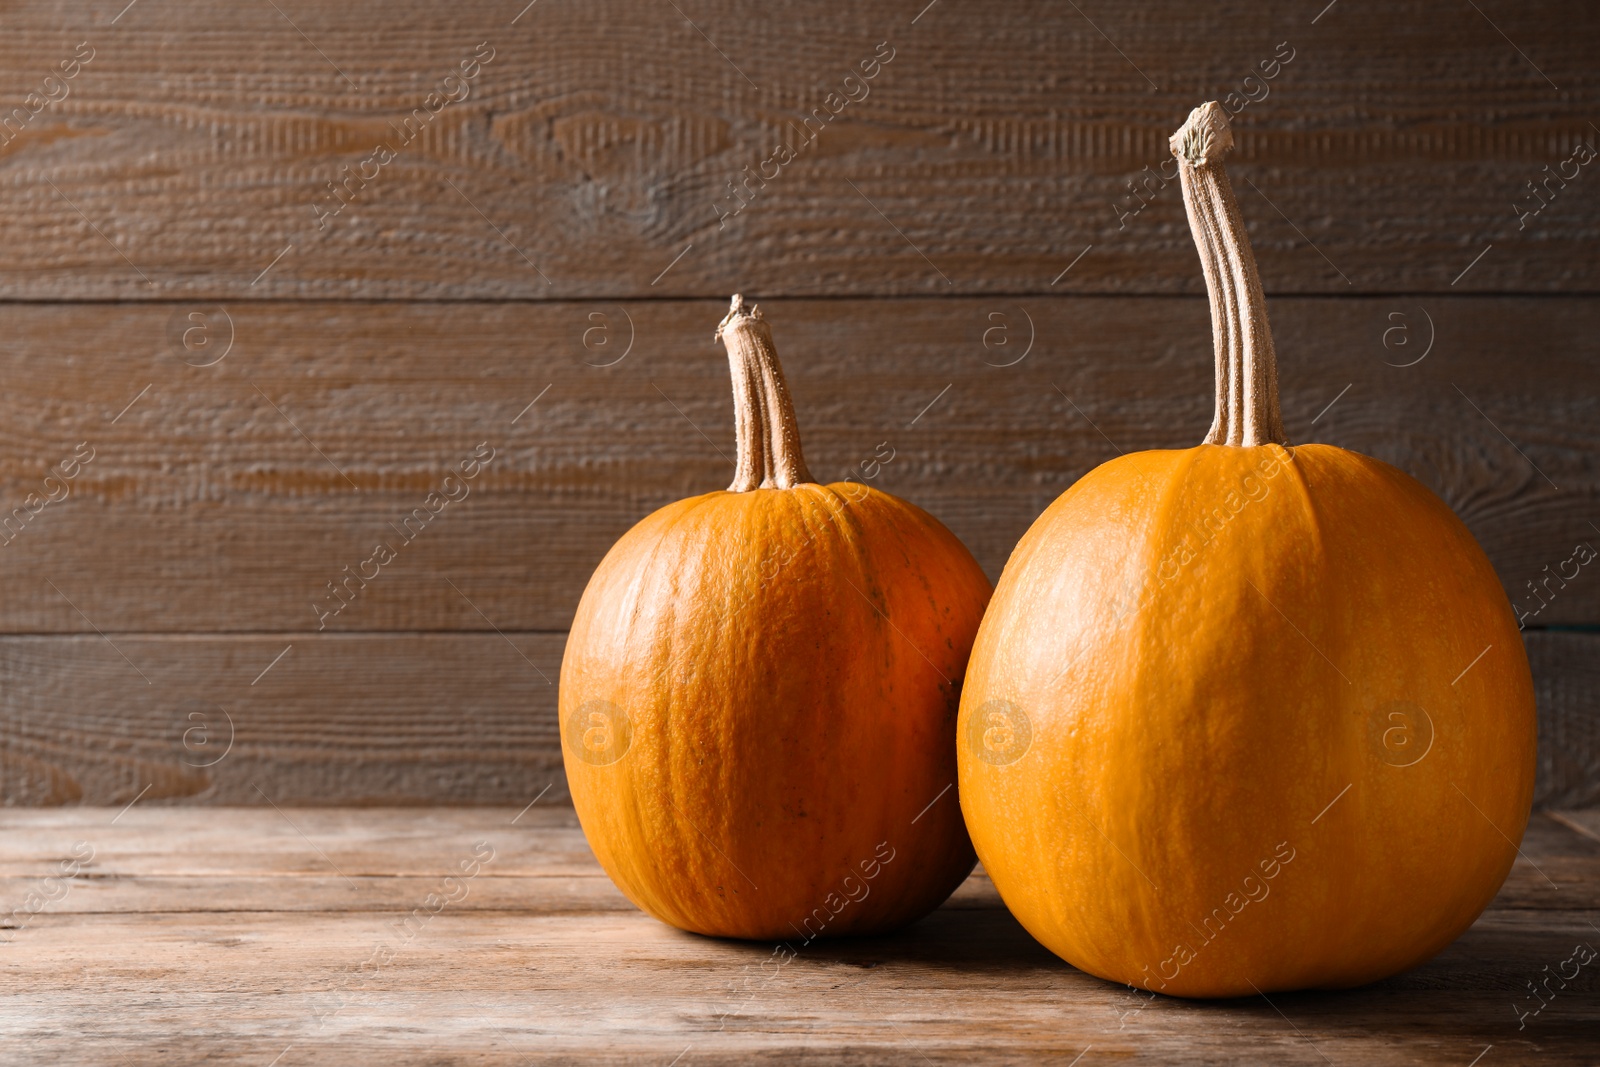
769	455
1247	410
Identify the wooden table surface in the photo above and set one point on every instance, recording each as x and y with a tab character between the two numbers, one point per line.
298	936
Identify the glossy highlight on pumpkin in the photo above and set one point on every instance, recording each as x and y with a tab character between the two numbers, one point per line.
1246	717
759	695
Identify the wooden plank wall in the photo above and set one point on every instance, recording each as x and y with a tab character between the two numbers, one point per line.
280	267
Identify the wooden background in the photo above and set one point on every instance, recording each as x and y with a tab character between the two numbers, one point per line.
955	267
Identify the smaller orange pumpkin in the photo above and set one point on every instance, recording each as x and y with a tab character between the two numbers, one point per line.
759	693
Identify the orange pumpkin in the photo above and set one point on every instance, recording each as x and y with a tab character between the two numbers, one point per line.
759	693
1246	717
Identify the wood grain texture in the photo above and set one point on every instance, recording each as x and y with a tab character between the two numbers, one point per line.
251	954
575	205
229	497
376	719
345	719
190	155
1566	679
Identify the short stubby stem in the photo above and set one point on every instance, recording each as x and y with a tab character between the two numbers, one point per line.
1247	412
768	437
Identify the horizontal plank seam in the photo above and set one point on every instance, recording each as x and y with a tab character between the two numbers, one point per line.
250	876
129	881
1579	628
206	635
976	294
69	916
1575	915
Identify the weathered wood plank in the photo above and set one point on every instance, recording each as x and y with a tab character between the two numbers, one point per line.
330	893
1566	679
229	497
375	859
346	719
539	982
193	153
136	841
371	719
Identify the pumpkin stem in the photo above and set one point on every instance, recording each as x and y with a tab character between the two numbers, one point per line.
763	415
1247	412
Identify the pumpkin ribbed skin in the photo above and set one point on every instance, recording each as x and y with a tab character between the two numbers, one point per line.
788	663
1250	754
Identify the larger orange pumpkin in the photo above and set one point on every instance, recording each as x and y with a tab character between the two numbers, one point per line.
759	694
1246	717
